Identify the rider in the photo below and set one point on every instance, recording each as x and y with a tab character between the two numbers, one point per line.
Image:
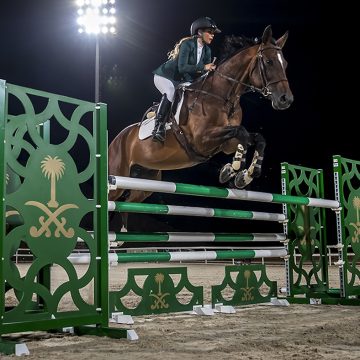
190	58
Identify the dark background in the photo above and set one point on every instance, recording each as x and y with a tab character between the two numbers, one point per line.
42	49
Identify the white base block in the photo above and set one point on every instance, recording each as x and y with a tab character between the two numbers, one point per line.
132	335
68	329
314	301
21	349
120	318
225	309
203	310
279	302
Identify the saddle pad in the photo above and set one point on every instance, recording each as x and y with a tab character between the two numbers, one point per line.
147	126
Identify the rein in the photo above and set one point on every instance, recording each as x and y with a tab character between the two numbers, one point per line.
233	92
265	91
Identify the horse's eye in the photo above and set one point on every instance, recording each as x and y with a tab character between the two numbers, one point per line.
269	62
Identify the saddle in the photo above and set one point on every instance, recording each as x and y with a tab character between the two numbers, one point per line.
147	123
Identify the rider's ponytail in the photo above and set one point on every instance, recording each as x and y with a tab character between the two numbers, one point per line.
175	51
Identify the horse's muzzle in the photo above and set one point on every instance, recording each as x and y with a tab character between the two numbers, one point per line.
282	102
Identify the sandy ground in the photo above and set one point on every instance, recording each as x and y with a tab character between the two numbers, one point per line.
254	332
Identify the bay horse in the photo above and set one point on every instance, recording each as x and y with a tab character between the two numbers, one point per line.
209	121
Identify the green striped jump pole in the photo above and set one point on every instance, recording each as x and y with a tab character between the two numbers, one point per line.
212	191
193	237
192	211
183	256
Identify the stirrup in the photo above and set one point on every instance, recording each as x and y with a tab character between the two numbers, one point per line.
158	134
158	137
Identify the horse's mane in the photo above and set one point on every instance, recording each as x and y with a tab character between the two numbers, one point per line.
232	44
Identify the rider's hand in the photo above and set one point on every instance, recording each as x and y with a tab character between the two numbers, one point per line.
210	67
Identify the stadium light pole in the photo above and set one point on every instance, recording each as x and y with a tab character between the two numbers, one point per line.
96	17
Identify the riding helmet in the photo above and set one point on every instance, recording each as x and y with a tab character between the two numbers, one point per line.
203	23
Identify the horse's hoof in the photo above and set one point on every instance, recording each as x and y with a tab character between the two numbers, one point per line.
226	173
242	179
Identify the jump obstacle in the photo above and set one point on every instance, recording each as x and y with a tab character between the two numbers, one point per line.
45	197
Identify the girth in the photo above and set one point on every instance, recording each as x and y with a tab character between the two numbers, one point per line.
181	138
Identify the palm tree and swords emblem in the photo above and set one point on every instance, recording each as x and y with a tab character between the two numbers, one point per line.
53	168
306	228
159	301
247	291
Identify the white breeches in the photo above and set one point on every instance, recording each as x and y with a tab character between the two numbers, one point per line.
165	86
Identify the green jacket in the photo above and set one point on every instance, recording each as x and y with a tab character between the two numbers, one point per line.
184	67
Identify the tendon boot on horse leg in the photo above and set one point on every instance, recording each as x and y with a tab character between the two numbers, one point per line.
260	144
159	131
228	171
245	177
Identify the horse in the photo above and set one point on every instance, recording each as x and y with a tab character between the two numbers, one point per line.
209	121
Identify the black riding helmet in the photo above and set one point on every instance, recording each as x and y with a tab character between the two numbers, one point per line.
203	23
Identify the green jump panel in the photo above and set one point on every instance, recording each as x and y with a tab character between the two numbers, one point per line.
156	291
307	274
243	285
46	196
347	179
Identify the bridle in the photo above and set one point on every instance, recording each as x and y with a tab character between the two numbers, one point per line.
259	62
259	59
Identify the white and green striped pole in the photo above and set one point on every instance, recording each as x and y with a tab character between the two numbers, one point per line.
194	237
192	211
212	191
177	236
183	256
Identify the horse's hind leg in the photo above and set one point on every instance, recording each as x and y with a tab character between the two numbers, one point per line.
245	177
138	171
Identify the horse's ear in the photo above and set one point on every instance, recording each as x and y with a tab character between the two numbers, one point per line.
267	35
281	41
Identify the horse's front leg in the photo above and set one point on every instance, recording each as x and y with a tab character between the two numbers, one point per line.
245	177
238	163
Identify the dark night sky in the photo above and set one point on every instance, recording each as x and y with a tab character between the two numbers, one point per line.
41	48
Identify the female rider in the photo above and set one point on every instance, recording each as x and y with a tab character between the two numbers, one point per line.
190	58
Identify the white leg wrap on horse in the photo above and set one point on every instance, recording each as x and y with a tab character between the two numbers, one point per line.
253	163
236	165
238	157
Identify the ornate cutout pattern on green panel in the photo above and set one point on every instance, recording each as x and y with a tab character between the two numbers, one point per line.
306	233
350	184
45	203
246	288
158	294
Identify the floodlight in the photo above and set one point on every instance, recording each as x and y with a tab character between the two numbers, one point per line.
96	17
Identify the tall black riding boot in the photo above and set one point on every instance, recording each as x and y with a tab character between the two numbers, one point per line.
158	133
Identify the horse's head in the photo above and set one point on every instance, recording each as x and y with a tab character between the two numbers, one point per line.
268	71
